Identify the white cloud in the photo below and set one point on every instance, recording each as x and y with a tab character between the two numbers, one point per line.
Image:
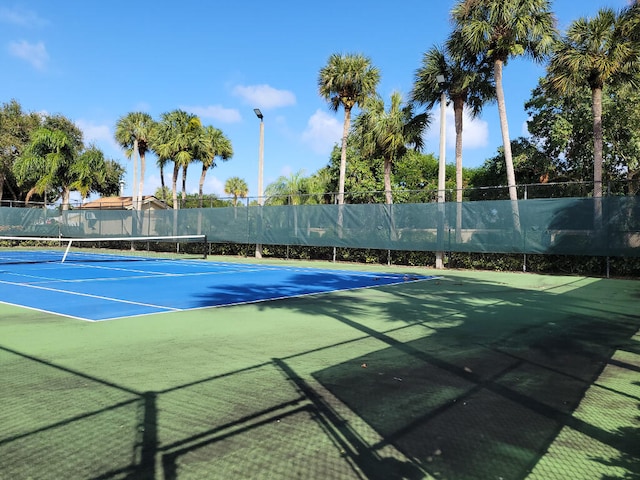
100	135
21	17
323	132
475	131
264	96
213	184
34	53
215	112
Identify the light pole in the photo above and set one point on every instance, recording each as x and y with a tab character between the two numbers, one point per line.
260	174
441	171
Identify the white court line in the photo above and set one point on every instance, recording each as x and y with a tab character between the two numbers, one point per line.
149	274
50	312
135	277
89	295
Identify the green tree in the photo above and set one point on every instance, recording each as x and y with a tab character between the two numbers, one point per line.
467	83
387	134
531	165
178	138
215	145
164	194
289	190
113	175
416	177
134	132
15	128
561	126
346	81
500	30
46	164
88	171
596	52
237	188
363	178
318	187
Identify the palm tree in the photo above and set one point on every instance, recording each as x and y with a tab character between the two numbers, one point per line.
387	134
596	52
500	30
161	162
47	163
89	171
467	83
237	188
318	186
134	132
346	81
215	145
289	190
178	137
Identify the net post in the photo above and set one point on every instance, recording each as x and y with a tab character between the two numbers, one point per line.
204	247
66	252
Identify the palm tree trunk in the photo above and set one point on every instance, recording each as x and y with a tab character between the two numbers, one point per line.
387	182
66	194
134	187
506	143
596	106
200	197
174	187
343	168
164	199
458	108
184	184
343	154
201	186
142	169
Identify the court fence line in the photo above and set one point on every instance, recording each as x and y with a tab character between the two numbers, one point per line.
558	226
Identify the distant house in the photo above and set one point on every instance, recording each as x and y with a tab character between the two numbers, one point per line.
149	202
114	216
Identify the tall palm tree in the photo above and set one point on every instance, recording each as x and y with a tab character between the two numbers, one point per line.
237	188
161	162
500	30
178	137
467	83
346	81
134	132
596	52
215	145
387	134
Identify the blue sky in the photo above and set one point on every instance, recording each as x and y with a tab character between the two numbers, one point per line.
96	61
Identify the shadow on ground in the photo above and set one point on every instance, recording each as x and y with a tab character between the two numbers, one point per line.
456	379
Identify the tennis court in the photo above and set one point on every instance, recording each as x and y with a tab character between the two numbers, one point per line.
99	286
472	375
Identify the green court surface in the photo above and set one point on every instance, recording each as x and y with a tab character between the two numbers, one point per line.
476	375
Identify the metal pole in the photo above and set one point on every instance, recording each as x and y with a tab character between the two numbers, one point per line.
260	175
441	173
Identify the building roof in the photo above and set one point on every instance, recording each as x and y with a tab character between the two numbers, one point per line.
123	203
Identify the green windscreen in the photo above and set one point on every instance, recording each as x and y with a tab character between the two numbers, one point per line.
572	226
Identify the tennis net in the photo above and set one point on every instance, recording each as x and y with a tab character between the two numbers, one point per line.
27	249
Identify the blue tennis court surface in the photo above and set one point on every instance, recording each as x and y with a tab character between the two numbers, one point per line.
102	287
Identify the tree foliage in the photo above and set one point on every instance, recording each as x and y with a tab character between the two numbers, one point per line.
500	30
346	81
595	52
388	134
